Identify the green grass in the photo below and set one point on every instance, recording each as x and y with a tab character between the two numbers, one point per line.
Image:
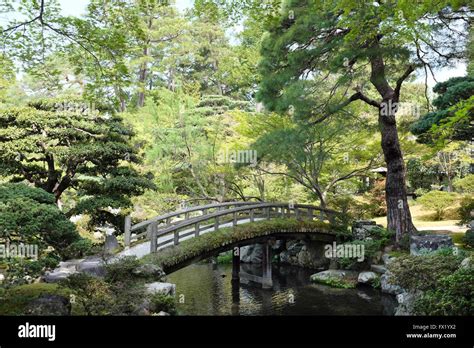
194	247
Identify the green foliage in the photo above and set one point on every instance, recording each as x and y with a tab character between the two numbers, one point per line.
376	198
469	238
465	185
93	295
378	238
15	300
421	175
465	210
453	295
122	270
81	248
334	282
424	272
171	256
438	201
63	143
225	258
29	216
161	302
455	112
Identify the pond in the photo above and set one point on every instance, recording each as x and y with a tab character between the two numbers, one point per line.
206	289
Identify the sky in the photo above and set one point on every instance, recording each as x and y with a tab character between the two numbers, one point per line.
77	7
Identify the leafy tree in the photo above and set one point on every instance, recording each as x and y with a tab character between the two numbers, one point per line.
369	47
7	76
320	157
454	114
65	144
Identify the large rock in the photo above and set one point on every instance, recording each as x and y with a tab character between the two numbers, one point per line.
49	305
93	266
361	229
56	276
335	274
305	254
366	277
251	253
380	269
406	301
111	244
161	288
388	287
467	263
428	243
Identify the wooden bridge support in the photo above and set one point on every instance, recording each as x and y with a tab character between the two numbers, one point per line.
267	282
236	275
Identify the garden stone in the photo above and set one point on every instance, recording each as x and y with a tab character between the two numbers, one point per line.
161	288
56	276
251	253
111	244
387	259
361	229
380	269
428	243
366	277
49	305
94	267
466	263
388	287
163	314
406	301
332	273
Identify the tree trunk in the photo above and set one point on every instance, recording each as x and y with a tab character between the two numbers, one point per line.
398	212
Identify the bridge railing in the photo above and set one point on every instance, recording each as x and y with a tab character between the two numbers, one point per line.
173	234
171	218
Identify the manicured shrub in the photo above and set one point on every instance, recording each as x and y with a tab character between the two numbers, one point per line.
162	303
438	201
453	295
465	210
469	238
424	272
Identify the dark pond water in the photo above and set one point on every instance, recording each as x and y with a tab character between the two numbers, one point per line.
205	289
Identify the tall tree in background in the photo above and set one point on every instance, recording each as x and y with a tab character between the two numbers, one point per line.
371	48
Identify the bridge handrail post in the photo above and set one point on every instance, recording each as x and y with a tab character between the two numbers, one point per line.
176	237
153	237
196	229
234	219
252	218
127	231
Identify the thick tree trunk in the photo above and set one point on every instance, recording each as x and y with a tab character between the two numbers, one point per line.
398	212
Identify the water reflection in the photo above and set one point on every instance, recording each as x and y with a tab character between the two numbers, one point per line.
206	290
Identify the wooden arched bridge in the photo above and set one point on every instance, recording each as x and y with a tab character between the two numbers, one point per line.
159	234
172	228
